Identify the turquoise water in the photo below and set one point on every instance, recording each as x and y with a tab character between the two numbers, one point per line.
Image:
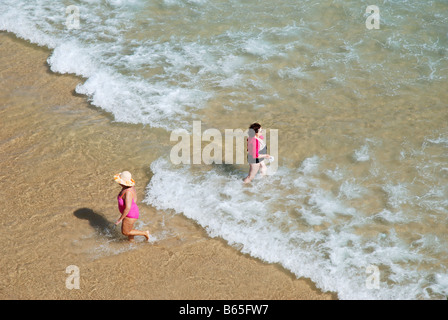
361	116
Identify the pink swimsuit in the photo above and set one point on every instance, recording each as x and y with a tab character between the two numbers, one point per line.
133	212
253	149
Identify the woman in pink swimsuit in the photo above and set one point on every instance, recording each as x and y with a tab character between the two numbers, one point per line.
256	152
127	206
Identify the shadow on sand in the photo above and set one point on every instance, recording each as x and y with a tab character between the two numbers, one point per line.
98	222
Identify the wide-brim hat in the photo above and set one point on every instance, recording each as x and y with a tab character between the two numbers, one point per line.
124	178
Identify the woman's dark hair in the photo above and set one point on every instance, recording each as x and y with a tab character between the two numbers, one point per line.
253	129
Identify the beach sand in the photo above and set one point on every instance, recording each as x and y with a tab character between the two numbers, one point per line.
58	154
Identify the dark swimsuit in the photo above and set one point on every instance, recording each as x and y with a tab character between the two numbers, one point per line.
251	159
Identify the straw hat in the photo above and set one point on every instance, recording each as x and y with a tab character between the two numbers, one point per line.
124	178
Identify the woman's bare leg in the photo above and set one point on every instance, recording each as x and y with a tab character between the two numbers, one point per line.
127	228
253	169
263	168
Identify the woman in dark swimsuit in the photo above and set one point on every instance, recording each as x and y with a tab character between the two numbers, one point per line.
256	152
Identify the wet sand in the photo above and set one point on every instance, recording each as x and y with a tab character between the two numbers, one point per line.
58	154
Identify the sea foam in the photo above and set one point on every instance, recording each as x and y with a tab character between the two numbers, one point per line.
293	219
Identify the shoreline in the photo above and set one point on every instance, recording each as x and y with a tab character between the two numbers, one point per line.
58	154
